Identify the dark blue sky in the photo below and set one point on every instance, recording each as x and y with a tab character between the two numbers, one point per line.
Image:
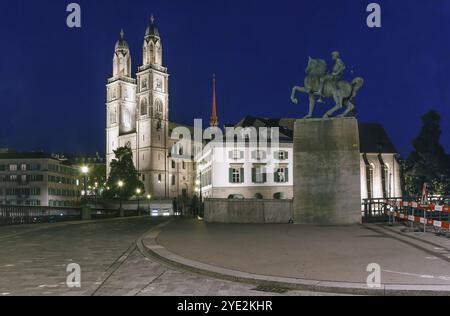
53	77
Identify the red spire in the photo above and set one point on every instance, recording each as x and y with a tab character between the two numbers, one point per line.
214	120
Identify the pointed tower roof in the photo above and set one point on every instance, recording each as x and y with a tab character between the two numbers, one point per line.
214	119
122	43
152	29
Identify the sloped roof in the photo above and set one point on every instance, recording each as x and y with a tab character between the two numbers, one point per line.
373	137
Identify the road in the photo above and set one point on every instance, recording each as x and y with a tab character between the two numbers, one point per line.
34	259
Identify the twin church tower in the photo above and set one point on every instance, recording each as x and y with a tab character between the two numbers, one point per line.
138	117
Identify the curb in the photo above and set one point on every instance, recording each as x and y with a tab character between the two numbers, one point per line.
150	248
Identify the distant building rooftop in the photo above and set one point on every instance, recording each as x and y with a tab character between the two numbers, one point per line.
32	155
373	137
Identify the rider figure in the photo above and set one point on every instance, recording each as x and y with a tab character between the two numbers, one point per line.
334	77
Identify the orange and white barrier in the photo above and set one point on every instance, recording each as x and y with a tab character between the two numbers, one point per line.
421	220
423	207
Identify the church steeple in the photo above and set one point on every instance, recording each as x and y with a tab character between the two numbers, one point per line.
214	119
152	45
122	57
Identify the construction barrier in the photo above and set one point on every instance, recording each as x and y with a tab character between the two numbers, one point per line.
434	215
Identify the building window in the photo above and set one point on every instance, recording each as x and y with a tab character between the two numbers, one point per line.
259	174
184	165
173	180
281	175
158	106
236	197
173	164
370	174
236	154
113	117
159	178
12	167
281	155
259	155
236	175
259	196
279	196
387	180
144	107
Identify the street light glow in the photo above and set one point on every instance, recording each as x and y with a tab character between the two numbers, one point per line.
85	169
138	191
149	197
120	184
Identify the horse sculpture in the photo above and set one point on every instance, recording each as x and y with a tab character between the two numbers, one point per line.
342	92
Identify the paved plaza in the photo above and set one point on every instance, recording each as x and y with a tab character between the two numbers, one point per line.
337	254
33	261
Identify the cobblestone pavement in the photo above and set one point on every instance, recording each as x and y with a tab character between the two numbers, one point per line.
33	261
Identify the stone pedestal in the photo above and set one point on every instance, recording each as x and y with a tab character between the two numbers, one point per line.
327	180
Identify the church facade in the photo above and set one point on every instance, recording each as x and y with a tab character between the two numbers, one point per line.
137	112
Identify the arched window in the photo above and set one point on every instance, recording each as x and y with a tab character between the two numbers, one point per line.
160	55
279	196
152	54
145	55
113	117
387	179
259	196
236	197
144	106
370	176
158	106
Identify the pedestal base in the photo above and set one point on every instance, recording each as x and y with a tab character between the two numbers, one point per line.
327	180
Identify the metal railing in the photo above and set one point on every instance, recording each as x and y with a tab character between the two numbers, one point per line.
16	215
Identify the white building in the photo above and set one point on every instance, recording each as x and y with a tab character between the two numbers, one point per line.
137	111
244	171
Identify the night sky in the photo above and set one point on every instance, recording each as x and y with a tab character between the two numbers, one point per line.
53	78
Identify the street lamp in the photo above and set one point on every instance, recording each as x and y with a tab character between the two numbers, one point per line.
120	184
149	197
138	193
85	171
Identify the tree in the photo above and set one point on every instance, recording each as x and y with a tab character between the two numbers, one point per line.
428	163
122	169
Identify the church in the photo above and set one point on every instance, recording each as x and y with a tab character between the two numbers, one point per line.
137	113
138	117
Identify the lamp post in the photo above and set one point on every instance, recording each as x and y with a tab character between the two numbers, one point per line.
120	184
149	197
85	171
138	193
